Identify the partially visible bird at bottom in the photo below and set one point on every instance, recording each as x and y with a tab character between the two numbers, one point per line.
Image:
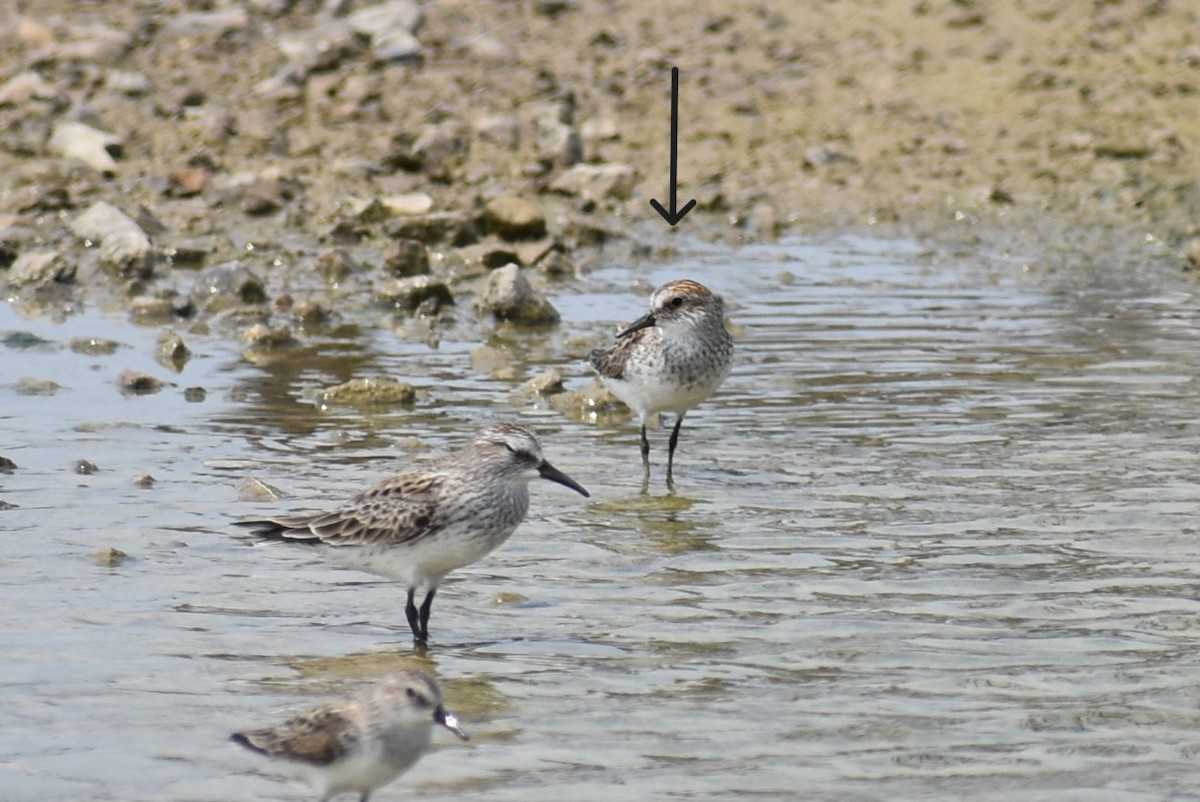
670	359
359	742
420	525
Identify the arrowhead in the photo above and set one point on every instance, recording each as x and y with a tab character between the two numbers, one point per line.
672	216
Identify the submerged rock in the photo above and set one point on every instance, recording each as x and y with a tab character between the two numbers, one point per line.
369	392
548	383
109	557
28	385
508	295
137	383
251	489
171	352
93	346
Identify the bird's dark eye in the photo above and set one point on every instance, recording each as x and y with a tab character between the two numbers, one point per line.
412	694
676	302
510	449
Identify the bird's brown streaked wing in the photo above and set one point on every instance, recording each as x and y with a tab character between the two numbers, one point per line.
319	737
394	511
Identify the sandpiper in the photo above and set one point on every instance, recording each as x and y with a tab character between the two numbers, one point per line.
420	525
669	360
359	742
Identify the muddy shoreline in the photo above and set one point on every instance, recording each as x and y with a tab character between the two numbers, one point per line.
302	141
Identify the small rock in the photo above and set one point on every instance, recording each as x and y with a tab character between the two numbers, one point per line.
596	182
93	147
406	257
227	285
409	203
530	252
323	47
83	467
514	218
24	87
93	42
548	383
136	383
190	253
453	228
503	129
557	142
487	47
335	264
7	465
496	362
93	346
553	8
109	557
251	489
123	244
195	395
216	23
40	268
481	257
556	264
171	352
413	292
151	309
264	196
590	403
508	295
186	182
390	27
600	129
130	83
434	151
307	311
143	480
30	386
267	338
369	392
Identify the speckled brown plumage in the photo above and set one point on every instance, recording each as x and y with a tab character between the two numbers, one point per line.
419	525
669	360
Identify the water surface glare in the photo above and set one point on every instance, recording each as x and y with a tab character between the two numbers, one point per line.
936	538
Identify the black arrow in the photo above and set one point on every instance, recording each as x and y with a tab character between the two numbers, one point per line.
673	216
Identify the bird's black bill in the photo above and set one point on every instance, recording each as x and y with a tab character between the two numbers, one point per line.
548	471
450	722
642	323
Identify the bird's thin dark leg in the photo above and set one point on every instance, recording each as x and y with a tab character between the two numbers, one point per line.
674	441
426	606
645	453
414	620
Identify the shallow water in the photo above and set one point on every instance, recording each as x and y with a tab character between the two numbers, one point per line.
935	538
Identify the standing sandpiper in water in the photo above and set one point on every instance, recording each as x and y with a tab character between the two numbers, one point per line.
420	525
359	742
669	360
